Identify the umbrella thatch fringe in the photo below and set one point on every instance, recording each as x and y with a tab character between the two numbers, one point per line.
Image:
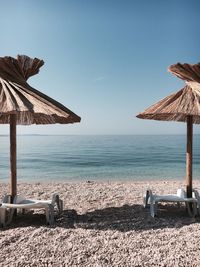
18	97
176	107
186	72
185	102
19	69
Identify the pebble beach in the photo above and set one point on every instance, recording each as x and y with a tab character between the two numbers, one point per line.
103	224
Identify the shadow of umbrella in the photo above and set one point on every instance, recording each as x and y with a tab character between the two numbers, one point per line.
123	218
182	106
126	218
22	104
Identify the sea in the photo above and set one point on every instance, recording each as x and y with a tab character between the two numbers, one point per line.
90	157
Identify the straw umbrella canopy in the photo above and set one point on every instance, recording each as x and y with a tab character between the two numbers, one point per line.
22	104
184	106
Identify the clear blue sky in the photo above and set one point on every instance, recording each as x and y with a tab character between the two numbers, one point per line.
106	60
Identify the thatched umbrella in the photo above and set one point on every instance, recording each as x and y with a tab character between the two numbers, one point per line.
181	106
22	104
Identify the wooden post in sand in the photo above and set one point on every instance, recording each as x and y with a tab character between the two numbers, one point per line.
13	156
189	156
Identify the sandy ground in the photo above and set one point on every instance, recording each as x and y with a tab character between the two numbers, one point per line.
103	224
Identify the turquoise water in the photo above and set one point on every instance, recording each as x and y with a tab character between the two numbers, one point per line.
51	158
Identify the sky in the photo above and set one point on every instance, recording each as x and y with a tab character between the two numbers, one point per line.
106	60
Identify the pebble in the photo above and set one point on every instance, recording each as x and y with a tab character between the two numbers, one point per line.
103	224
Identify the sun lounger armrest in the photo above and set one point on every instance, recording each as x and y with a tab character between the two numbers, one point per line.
151	196
6	199
54	198
58	202
197	196
181	193
147	198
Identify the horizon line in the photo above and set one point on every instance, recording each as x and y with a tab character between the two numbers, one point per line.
33	134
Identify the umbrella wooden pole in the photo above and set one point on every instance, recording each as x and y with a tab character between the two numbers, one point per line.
13	156
189	156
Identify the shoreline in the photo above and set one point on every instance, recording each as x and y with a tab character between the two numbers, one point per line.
77	180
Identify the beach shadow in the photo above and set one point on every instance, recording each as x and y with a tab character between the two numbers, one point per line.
127	218
31	218
124	218
28	219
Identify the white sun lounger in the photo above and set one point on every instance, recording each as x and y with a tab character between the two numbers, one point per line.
22	203
151	200
197	196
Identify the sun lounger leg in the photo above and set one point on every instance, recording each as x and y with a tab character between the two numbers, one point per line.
191	208
145	199
50	214
10	216
60	206
195	208
151	202
56	201
47	215
3	212
155	208
3	217
196	195
152	211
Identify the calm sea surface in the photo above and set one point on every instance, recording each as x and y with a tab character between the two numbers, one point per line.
51	158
